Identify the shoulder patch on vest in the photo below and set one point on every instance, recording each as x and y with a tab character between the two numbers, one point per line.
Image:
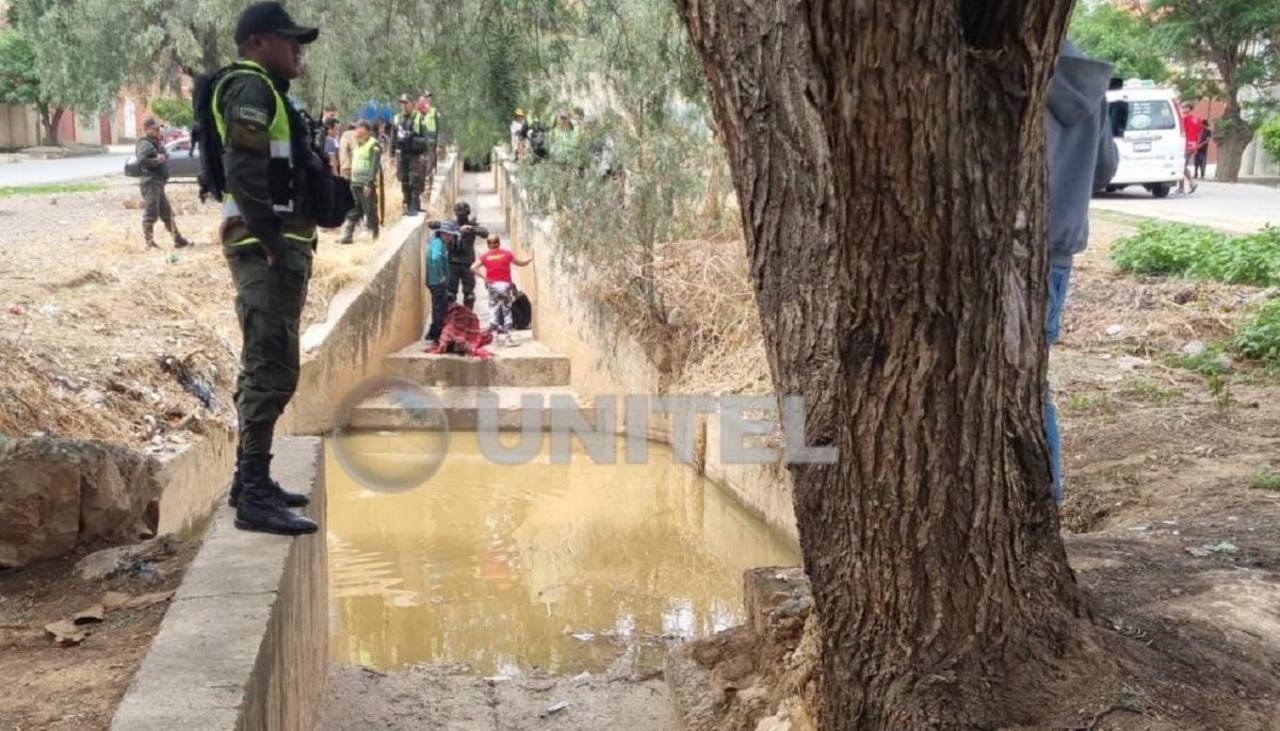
245	113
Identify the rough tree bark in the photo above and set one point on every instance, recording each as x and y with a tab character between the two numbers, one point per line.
50	118
1233	136
888	157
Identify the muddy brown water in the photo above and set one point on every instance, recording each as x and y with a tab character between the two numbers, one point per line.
563	567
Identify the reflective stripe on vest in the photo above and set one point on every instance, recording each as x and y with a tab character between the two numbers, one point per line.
281	142
362	161
417	122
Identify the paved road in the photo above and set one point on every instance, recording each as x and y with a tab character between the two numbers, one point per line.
37	172
1241	208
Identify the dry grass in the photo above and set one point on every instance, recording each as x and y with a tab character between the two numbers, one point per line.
707	335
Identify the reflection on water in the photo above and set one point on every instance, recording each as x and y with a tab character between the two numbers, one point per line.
559	566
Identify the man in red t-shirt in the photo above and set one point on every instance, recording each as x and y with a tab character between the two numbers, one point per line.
1191	128
496	263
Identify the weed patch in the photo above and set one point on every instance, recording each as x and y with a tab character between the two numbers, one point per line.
1260	338
1266	479
52	188
1181	250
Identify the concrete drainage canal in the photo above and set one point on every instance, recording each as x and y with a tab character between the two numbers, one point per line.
492	594
543	593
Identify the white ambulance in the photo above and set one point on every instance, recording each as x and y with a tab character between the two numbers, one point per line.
1148	129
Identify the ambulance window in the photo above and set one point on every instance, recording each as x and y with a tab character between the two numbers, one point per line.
1154	114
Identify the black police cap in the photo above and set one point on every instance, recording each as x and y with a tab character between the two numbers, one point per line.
270	17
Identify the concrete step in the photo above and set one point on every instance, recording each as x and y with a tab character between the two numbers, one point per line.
528	363
462	408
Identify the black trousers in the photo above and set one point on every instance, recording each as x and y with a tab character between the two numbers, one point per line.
461	275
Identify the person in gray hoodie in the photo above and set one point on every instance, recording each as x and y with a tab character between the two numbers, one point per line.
1082	158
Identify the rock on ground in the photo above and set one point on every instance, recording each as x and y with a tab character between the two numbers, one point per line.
58	493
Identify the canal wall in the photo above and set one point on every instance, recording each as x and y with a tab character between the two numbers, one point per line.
606	359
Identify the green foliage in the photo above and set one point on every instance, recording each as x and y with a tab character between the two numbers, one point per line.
1145	389
1260	338
1210	362
1266	479
1269	134
643	167
1094	402
1233	35
1219	390
1109	33
177	112
1194	251
18	81
52	188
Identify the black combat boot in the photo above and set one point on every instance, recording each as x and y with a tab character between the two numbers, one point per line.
291	499
148	235
180	241
260	509
347	232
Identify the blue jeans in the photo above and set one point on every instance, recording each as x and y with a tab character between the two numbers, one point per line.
1059	281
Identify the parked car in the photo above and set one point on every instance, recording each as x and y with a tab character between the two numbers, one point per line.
184	162
1149	137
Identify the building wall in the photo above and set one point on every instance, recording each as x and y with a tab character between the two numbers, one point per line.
19	126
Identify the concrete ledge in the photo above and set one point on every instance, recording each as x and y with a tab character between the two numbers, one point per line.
529	363
194	479
244	644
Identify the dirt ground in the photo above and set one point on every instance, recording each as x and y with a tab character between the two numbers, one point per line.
87	314
445	697
76	688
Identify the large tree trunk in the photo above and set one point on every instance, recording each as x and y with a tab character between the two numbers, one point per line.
50	118
1233	135
889	160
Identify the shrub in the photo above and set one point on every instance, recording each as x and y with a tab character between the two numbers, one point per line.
1269	134
1260	338
177	112
1165	248
1194	251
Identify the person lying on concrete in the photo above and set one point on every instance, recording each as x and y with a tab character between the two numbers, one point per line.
496	263
1082	158
438	278
462	334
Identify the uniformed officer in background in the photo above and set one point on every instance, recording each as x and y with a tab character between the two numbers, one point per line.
269	238
434	136
366	165
154	162
408	143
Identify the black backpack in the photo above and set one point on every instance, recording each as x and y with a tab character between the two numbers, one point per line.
327	196
205	139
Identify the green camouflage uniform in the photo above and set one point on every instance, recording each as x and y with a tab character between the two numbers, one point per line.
155	174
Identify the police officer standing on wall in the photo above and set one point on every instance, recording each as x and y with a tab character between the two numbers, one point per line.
154	162
269	238
434	135
408	143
